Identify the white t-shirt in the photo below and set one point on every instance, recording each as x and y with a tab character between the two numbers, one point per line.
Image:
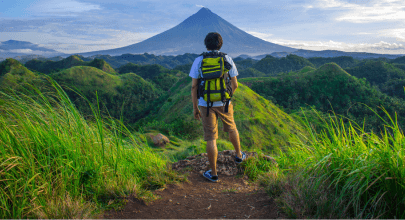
196	70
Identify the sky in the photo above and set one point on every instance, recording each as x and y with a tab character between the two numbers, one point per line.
73	26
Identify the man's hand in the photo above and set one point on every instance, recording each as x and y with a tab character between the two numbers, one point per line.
197	114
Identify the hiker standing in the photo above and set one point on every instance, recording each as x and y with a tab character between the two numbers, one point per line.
214	82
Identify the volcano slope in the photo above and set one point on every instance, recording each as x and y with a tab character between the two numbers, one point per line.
260	123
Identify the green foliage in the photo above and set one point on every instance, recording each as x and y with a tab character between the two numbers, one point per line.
127	95
328	88
342	61
254	167
399	60
13	74
364	171
102	65
5	66
399	66
245	63
148	59
54	163
49	66
250	72
261	125
184	68
377	72
272	66
162	77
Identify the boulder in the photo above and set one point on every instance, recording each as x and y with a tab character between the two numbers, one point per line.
160	140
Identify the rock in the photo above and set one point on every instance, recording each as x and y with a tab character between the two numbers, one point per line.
268	158
225	164
160	140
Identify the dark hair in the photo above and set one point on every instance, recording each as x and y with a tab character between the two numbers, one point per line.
213	41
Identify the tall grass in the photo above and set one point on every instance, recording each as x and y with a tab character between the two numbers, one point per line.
362	172
56	164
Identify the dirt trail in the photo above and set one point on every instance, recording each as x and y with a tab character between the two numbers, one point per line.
231	197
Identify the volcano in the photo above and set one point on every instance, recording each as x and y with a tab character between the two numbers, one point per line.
188	37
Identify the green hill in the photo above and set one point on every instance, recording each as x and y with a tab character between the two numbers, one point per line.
342	61
13	74
327	88
399	66
137	94
388	77
102	65
377	72
272	66
144	59
249	72
245	63
164	78
49	66
399	60
260	123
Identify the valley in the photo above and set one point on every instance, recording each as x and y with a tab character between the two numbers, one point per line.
313	116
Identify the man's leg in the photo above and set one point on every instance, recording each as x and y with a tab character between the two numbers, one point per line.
234	138
212	152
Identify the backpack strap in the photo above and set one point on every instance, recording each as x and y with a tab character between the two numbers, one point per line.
221	82
208	99
227	105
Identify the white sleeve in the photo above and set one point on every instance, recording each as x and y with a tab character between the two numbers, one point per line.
233	72
194	68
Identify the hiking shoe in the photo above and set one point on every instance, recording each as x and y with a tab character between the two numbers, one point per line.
210	177
240	160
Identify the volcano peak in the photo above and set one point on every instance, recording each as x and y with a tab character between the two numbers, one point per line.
188	37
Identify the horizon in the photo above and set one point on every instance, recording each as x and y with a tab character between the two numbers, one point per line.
78	26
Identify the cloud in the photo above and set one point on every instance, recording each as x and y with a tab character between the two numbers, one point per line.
259	35
397	33
72	43
20	51
201	6
365	11
380	47
66	7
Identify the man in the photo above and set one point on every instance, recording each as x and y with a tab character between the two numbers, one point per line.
213	42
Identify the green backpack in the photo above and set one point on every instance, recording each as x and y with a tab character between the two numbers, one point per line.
215	83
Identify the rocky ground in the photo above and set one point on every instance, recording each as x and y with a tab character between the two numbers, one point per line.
233	196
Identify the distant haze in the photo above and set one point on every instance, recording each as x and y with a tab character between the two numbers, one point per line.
14	48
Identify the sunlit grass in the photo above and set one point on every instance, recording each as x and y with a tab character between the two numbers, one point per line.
51	158
364	171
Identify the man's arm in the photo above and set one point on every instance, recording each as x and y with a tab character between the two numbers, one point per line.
234	84
194	87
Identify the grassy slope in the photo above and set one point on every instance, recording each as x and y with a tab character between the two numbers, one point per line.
88	79
377	72
13	74
326	86
113	90
58	165
48	67
342	61
261	124
399	60
271	65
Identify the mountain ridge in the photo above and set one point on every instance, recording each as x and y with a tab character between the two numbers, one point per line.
188	37
14	48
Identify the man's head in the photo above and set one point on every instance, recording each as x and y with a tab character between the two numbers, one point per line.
213	41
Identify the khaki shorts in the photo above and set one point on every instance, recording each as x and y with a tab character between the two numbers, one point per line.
210	123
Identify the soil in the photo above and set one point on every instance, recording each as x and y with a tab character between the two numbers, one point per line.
233	196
